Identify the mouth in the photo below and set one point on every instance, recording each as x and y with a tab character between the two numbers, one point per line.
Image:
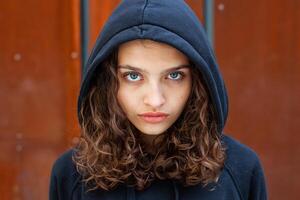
153	117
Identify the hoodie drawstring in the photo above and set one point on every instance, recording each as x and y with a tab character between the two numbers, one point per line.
176	192
130	193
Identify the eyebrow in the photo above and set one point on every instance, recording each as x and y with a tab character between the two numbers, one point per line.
141	70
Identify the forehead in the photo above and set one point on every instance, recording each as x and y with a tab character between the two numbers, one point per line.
148	54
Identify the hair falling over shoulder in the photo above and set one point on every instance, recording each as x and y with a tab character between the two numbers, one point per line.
110	151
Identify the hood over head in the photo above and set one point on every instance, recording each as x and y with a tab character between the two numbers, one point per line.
168	21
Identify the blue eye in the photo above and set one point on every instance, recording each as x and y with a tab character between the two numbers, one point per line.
135	76
176	75
132	76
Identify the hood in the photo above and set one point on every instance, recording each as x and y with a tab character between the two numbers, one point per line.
168	21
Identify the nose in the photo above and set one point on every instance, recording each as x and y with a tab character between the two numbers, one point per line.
154	96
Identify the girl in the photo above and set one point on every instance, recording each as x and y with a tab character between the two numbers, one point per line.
152	108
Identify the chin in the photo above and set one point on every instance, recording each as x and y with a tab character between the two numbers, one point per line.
153	130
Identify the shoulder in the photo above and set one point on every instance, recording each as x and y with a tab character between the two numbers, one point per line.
64	176
64	165
243	165
238	154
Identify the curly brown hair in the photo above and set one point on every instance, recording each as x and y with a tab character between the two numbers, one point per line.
111	151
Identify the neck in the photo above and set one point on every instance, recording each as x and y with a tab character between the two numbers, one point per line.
149	143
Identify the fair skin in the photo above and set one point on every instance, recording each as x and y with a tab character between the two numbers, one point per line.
154	77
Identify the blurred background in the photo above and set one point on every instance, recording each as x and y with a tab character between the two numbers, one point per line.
43	45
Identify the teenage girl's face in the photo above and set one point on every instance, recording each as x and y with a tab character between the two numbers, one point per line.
155	83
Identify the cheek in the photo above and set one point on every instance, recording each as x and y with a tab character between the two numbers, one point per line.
177	100
126	100
187	92
121	97
181	96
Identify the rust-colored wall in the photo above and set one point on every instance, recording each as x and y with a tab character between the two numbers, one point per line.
39	80
257	45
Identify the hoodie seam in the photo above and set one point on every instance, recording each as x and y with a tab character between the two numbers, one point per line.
143	12
74	186
138	26
229	170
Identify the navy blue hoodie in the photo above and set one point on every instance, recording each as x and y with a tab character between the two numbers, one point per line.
174	23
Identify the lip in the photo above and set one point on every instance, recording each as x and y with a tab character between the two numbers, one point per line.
153	117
